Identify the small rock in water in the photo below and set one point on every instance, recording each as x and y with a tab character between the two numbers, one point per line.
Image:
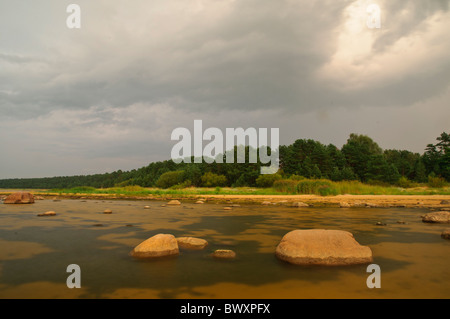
380	224
147	207
446	234
300	204
191	243
437	217
50	213
445	202
401	222
199	202
227	208
107	211
344	205
174	202
224	254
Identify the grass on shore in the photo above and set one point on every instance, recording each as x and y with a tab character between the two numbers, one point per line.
313	187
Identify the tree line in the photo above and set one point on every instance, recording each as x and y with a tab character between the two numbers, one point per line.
359	159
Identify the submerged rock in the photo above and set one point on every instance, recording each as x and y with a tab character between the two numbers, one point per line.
157	246
441	217
322	247
191	243
299	204
50	213
224	254
446	234
19	198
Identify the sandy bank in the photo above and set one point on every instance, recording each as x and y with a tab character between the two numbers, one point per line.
424	201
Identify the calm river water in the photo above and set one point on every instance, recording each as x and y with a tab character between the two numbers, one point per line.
35	252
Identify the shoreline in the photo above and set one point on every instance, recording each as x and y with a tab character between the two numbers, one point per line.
343	201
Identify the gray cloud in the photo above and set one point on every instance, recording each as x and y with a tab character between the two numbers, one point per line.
117	87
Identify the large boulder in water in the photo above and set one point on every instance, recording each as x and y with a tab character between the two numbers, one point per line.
441	217
19	198
322	247
157	246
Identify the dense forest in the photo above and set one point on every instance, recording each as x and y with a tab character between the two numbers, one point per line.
359	159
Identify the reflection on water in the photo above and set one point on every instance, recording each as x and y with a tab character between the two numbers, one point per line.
35	252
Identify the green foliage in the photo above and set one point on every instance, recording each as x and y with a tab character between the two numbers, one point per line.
170	179
437	157
295	177
436	181
211	180
286	186
319	187
185	184
83	190
344	174
358	151
267	180
404	182
359	159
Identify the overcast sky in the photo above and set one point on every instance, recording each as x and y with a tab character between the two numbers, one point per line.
107	96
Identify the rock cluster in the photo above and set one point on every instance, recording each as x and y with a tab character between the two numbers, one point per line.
19	198
441	217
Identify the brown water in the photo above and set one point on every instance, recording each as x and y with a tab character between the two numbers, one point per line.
35	252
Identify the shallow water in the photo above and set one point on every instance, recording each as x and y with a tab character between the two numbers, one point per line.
35	252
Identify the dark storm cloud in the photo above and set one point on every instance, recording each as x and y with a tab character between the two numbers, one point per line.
253	55
135	71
